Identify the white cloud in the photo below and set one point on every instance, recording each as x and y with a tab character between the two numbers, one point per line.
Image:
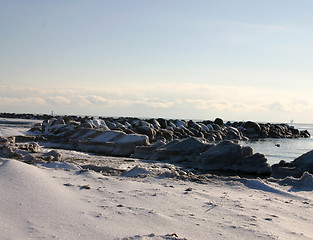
7	101
59	100
276	106
192	100
156	103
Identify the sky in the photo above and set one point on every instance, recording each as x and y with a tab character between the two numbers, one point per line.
202	59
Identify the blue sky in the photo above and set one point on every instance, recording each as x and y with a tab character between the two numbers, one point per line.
239	60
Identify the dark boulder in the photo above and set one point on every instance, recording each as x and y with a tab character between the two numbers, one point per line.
219	121
304	162
252	125
176	151
150	132
295	168
162	122
229	156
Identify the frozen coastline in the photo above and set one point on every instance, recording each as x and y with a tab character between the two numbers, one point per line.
130	198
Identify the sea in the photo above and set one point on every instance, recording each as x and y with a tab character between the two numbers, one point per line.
277	149
274	149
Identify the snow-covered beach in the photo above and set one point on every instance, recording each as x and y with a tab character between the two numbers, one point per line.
87	196
56	203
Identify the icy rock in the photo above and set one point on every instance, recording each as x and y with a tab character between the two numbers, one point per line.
146	152
295	168
146	130
113	143
304	162
53	155
178	150
98	123
230	156
30	147
304	183
136	172
8	151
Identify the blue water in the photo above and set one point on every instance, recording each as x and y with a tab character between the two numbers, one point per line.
289	148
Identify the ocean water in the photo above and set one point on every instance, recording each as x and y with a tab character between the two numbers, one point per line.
289	148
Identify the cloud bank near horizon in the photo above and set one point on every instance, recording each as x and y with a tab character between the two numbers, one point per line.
185	100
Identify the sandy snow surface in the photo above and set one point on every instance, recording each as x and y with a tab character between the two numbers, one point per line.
61	201
16	127
132	199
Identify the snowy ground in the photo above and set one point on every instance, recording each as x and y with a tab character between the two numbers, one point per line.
15	127
132	199
54	203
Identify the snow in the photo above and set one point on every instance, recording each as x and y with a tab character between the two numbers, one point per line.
50	201
8	127
97	123
107	136
119	137
134	199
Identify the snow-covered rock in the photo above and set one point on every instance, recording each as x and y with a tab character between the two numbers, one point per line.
295	168
229	156
98	123
178	150
114	143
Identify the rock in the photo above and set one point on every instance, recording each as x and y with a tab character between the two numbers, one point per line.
180	123
305	134
204	127
304	162
281	171
113	143
162	122
216	127
146	130
8	151
46	124
30	159
210	127
196	132
233	133
167	134
303	183
295	168
193	125
229	156
110	125
30	147
87	125
155	123
253	125
219	121
129	131
175	151
136	172
120	137
120	126
255	164
37	128
223	154
53	155
191	145
98	123
20	151
146	152
77	135
7	140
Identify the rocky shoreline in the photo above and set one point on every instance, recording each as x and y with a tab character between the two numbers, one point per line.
206	145
170	129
